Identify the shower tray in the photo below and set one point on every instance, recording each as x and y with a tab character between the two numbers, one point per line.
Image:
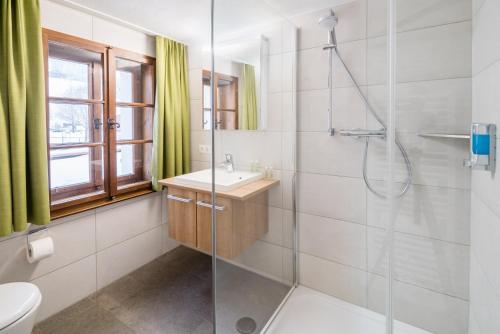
310	311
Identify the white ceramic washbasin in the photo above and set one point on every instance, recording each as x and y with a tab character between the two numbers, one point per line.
224	181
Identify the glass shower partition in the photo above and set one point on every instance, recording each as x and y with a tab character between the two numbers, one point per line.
253	124
418	243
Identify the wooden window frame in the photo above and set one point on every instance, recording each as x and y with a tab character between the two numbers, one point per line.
108	143
220	112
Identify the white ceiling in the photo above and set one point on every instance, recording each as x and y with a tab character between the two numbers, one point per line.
189	20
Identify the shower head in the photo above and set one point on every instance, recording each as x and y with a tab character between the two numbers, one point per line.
329	22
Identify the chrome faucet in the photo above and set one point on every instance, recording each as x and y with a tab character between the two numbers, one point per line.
229	163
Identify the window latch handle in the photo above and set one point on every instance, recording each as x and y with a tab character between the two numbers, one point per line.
112	124
97	123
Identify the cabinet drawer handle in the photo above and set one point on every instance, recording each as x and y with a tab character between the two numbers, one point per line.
179	199
209	205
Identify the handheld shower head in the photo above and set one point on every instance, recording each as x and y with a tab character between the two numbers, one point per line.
329	22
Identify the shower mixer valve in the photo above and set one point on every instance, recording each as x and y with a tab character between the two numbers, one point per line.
482	147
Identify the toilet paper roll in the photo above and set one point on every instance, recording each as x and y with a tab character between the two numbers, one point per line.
40	249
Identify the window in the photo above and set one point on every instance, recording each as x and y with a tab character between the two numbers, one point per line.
226	100
100	103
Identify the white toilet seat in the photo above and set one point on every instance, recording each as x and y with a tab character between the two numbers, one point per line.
18	302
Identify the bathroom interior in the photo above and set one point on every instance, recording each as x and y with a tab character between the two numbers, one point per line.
339	154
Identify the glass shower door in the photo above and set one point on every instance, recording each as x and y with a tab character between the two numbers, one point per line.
425	232
253	126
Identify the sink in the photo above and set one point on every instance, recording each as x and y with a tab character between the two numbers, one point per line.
224	181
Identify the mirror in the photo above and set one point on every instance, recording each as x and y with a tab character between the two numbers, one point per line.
238	81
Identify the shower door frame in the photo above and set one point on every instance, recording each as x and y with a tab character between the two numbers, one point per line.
295	258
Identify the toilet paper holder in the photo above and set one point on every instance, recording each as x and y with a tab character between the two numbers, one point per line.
35	231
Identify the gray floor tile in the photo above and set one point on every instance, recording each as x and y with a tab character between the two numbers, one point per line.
172	294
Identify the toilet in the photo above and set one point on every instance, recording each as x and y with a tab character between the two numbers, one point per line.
19	304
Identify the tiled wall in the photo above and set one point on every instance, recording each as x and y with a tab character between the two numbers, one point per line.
270	256
94	248
485	217
341	224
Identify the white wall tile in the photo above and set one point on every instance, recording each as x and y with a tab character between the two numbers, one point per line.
484	299
349	111
486	103
312	110
440	266
196	115
312	69
332	239
275	233
275	73
117	224
263	257
435	162
323	154
276	193
485	44
354	55
274	112
473	325
287	75
195	87
72	241
436	212
487	188
417	14
199	165
66	286
427	106
119	260
288	150
335	279
57	17
485	236
476	5
253	145
167	243
450	56
426	309
287	184
274	35
195	56
341	198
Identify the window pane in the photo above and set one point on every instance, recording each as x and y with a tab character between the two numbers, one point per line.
74	73
133	163
74	123
135	123
76	171
134	81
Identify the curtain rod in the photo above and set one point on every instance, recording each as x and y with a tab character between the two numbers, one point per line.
88	10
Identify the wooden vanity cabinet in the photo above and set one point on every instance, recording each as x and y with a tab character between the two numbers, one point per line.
240	222
181	206
224	225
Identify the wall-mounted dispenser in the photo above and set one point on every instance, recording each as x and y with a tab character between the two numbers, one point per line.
482	147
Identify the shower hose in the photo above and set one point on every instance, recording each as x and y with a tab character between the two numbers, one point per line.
402	149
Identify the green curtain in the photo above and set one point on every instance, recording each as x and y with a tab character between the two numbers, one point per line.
171	139
249	112
24	186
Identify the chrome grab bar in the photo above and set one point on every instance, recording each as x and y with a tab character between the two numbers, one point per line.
209	205
363	133
179	199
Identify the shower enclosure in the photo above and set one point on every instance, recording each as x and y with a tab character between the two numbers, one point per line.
363	113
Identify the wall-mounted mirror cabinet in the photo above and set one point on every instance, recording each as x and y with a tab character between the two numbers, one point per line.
240	80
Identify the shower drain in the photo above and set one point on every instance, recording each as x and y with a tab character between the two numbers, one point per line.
246	325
